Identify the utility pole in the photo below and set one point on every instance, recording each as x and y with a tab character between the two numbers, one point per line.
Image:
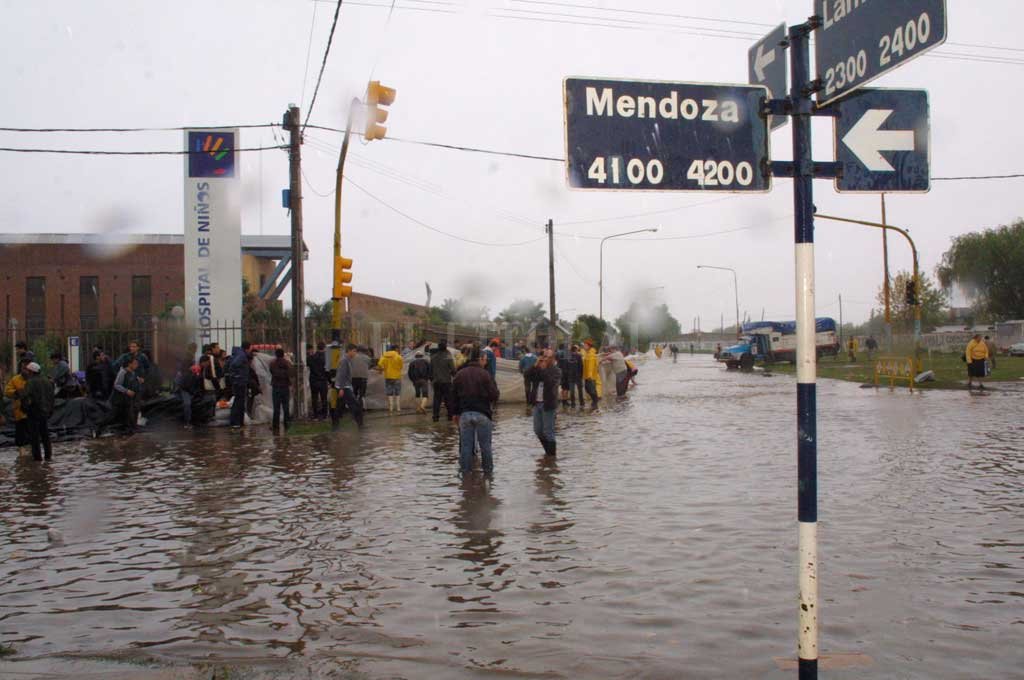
885	284
550	229
291	123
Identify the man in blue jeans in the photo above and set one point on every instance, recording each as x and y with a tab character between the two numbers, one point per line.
238	369
473	392
546	376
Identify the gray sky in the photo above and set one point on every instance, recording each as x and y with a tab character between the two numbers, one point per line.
480	73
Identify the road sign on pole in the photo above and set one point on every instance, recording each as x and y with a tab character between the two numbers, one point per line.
766	63
859	40
665	136
881	141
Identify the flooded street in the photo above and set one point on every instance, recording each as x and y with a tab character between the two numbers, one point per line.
661	544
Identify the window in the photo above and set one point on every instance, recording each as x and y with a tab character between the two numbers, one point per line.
142	301
89	302
35	307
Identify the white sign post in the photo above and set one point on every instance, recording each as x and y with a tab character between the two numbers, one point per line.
213	237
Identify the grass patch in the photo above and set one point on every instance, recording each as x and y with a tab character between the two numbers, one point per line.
950	372
6	650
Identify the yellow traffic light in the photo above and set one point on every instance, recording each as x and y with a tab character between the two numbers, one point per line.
342	277
377	95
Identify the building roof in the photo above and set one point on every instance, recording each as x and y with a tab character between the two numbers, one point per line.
270	245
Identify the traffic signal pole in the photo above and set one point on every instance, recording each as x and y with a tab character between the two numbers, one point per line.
336	300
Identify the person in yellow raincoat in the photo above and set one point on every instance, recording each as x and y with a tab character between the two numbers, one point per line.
391	363
657	351
591	372
976	355
12	390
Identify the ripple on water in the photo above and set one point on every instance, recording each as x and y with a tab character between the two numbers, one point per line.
659	544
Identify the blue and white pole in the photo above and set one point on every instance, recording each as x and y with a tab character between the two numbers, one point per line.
806	352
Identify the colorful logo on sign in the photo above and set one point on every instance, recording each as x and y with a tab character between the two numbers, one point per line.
211	154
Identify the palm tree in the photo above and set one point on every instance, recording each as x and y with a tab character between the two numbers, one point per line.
319	318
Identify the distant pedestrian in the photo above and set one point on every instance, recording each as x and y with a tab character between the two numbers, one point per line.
546	378
675	353
591	373
491	353
391	364
851	349
871	345
346	396
361	362
125	398
691	349
419	376
14	390
99	376
38	395
618	364
575	369
238	374
474	391
135	352
280	389
65	385
526	363
992	351
318	380
185	384
442	370
976	356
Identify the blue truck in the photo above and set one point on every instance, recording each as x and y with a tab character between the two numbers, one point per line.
775	341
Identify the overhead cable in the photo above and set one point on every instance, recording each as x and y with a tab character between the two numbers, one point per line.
323	64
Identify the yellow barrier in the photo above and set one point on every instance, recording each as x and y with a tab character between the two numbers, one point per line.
895	369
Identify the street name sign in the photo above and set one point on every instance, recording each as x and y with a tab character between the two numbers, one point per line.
665	136
882	141
859	40
766	63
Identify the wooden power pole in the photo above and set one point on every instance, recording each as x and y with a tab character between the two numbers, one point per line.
291	123
551	281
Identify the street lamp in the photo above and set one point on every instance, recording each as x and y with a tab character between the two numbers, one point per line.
735	289
600	283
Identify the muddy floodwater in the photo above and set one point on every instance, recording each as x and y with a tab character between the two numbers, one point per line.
661	544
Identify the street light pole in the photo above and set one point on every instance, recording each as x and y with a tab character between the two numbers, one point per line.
735	290
600	281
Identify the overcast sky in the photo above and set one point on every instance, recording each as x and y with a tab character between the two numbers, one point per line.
488	74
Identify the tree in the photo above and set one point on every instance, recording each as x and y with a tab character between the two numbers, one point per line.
460	311
642	325
934	310
522	313
589	326
989	266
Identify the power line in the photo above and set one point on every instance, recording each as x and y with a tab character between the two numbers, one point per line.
435	229
182	128
323	64
87	152
309	50
643	12
977	177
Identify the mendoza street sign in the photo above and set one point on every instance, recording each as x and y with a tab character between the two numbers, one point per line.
766	64
860	40
651	135
882	141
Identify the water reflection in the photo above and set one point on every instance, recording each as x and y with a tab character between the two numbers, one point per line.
660	521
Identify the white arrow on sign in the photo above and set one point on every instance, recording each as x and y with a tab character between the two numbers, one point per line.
761	60
866	140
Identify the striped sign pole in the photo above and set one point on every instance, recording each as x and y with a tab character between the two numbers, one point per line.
806	353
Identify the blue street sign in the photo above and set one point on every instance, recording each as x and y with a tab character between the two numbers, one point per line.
766	64
860	40
664	136
882	141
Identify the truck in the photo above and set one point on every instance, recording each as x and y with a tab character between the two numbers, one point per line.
775	341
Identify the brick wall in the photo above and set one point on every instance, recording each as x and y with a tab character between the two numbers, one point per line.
64	265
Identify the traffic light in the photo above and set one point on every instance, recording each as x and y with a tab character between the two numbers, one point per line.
911	292
377	95
342	277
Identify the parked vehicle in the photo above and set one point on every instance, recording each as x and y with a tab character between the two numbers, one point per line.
1016	350
772	341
